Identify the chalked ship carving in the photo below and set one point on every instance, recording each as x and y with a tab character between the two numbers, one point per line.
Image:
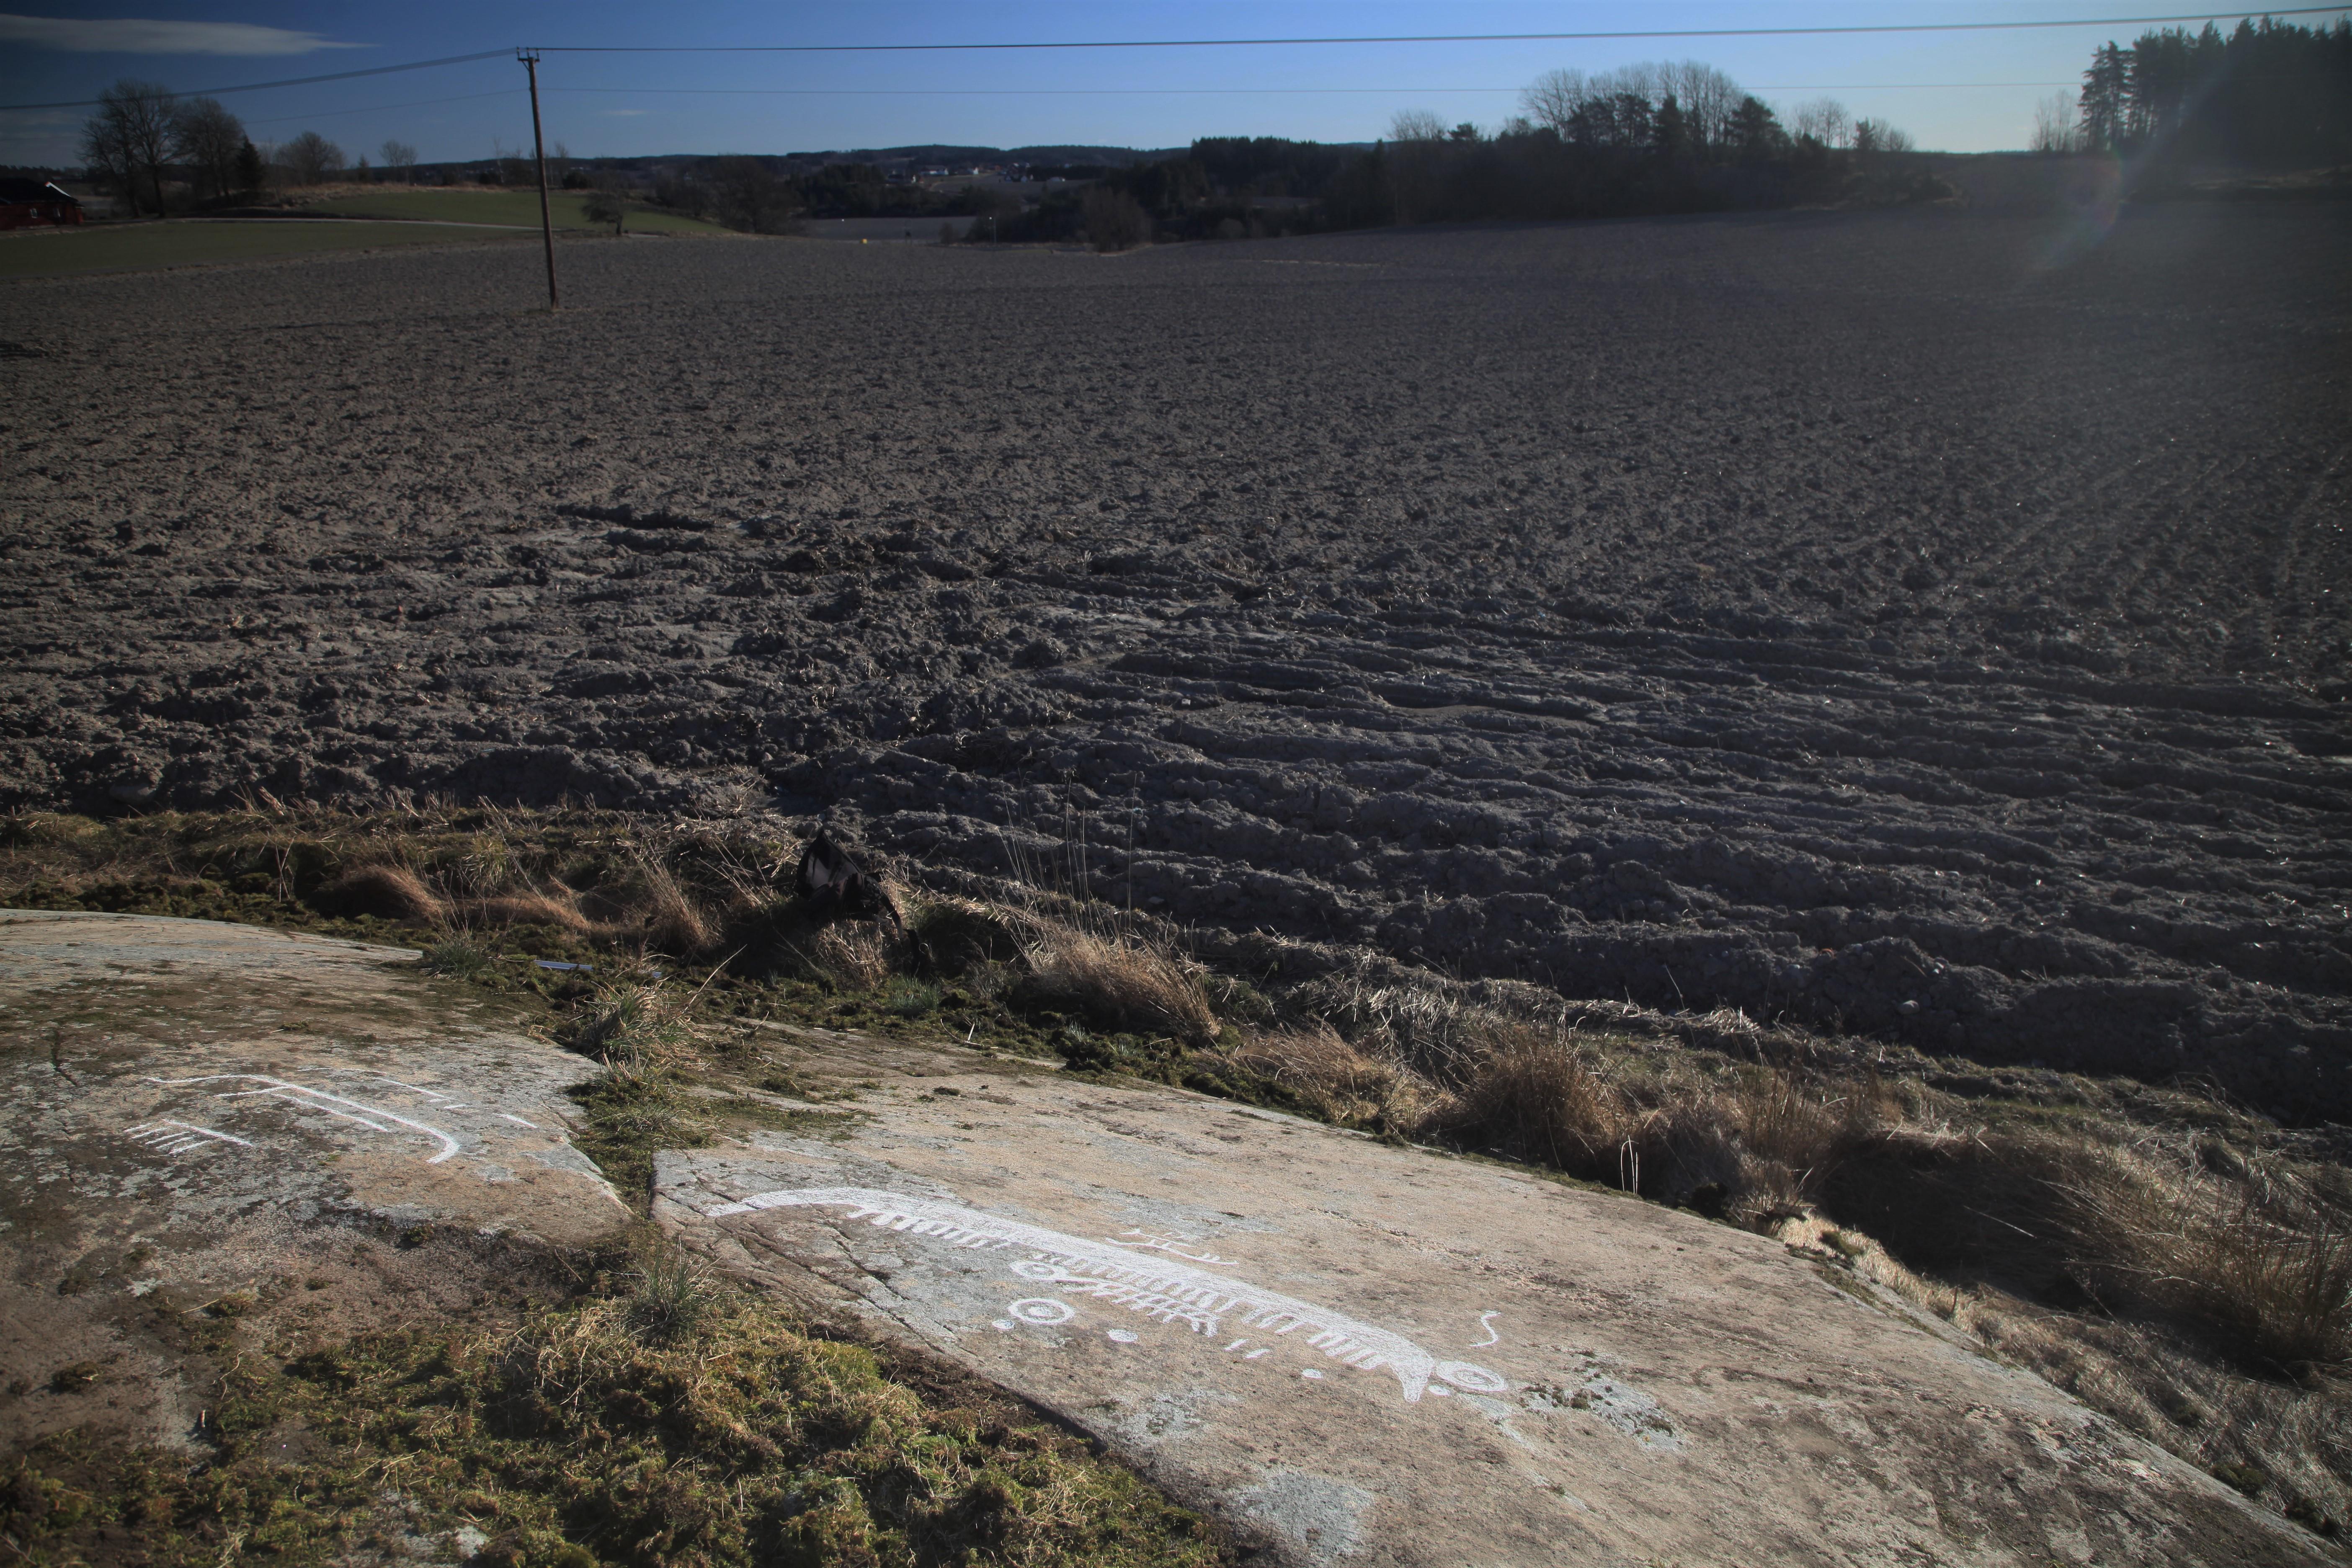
1154	1284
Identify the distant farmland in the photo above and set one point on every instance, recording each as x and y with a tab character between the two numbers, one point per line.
188	242
404	217
520	208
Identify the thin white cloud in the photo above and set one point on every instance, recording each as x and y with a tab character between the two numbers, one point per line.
621	114
138	36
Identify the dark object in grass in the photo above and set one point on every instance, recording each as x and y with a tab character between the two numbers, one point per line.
832	882
955	936
2247	1478
2312	1517
73	1379
390	891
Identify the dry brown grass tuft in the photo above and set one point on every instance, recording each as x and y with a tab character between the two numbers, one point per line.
391	891
1431	1035
591	875
635	1025
2256	1257
857	955
1120	980
1744	1143
1332	1076
1533	1096
667	917
2250	1256
1762	1143
523	909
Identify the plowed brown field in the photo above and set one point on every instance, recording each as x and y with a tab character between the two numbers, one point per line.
1929	625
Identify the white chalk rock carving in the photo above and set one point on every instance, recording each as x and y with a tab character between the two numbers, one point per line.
171	1137
1171	1245
1151	1283
319	1100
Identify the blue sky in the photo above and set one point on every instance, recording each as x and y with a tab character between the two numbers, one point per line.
1933	85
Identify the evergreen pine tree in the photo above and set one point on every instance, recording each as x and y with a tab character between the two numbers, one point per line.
2104	86
1670	133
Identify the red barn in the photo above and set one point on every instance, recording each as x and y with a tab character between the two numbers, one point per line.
30	203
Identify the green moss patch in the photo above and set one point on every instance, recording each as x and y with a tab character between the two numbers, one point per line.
572	1436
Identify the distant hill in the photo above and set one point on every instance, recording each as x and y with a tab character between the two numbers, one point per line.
1259	154
934	154
897	160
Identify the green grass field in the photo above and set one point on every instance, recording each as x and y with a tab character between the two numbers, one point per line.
104	247
518	207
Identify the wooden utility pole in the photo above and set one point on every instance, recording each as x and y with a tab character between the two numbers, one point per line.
530	58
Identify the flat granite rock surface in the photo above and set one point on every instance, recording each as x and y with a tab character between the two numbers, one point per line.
1363	1353
198	1112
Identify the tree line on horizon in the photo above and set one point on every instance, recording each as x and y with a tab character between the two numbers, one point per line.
145	140
1663	138
2268	95
1684	137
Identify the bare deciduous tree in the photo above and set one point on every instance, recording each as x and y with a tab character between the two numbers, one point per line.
1708	98
1411	165
130	137
399	157
207	138
2056	129
1824	120
1554	97
1878	136
309	157
605	202
1603	110
107	153
1416	125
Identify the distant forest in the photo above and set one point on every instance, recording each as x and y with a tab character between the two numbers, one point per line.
2268	96
1682	138
1668	138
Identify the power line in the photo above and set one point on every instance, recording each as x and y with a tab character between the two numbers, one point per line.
1436	37
289	81
1079	92
1087	92
1203	91
1016	92
1589	36
388	108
